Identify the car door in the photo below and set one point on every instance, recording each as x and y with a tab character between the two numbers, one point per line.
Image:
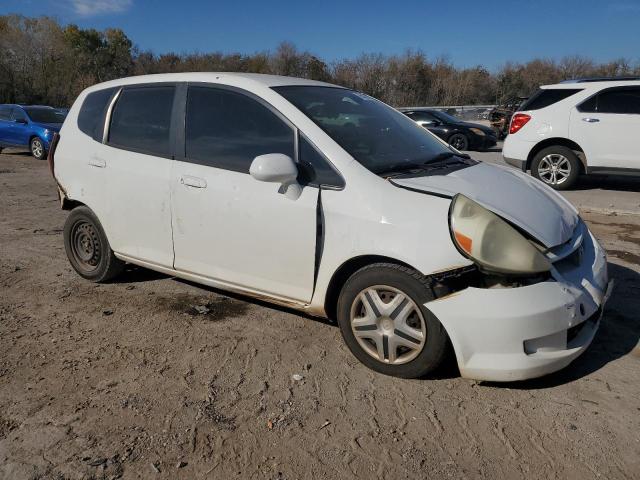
135	164
227	226
606	126
21	131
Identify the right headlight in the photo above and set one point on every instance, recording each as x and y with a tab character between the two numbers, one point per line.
491	242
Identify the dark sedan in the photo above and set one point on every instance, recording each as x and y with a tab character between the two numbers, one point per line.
457	133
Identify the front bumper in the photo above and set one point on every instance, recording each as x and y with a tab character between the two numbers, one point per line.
507	334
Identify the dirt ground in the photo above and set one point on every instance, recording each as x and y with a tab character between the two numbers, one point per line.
129	380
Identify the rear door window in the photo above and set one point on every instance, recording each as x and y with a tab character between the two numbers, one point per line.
227	129
621	100
91	115
5	113
546	97
141	120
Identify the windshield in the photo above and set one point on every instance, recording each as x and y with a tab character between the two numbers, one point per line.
376	135
45	115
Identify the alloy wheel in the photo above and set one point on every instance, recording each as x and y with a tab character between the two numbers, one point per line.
388	325
554	169
37	148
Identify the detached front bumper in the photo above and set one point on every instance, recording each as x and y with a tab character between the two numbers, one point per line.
507	334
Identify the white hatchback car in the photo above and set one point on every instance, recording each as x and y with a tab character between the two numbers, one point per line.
329	201
577	127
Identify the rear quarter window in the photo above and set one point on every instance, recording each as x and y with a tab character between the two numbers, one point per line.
548	96
91	115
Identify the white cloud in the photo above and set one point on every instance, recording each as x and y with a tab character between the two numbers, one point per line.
88	8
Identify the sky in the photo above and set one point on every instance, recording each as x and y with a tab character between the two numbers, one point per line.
468	33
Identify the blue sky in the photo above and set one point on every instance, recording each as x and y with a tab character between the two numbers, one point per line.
468	32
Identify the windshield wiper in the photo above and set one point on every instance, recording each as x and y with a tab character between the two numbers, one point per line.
399	168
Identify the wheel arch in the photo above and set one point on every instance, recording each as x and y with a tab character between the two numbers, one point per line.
342	274
563	142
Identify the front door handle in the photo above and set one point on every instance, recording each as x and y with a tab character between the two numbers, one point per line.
97	162
195	182
590	120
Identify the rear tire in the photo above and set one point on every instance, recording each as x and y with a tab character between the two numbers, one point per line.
36	145
556	166
87	247
386	326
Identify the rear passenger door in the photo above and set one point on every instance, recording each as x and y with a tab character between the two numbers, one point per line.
606	126
21	131
5	123
135	163
227	226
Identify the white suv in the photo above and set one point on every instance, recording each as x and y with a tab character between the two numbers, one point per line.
329	201
577	127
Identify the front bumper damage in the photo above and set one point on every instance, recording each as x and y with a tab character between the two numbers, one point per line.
508	334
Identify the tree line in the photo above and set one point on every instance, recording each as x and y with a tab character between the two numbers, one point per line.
44	62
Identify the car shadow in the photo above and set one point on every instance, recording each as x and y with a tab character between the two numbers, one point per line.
617	336
608	182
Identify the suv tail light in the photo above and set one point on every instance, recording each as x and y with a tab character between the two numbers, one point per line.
518	121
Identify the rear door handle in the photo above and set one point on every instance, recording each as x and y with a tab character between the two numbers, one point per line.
590	120
193	181
97	162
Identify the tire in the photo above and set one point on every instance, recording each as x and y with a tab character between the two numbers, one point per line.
420	347
556	166
87	247
459	141
36	146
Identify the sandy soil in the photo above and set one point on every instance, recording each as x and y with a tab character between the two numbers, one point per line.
128	380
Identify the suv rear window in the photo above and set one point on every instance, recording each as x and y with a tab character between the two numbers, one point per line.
141	120
91	115
548	96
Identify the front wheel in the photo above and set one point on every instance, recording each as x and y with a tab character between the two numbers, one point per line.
459	142
87	247
385	324
557	166
37	148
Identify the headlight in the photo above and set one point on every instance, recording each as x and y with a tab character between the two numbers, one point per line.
477	131
47	133
491	242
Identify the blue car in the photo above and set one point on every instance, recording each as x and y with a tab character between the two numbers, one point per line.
29	126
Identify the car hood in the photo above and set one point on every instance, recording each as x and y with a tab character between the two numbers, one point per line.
516	197
50	126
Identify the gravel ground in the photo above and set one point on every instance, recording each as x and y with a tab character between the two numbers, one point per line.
130	380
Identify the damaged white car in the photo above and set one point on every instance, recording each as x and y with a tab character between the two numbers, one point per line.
329	201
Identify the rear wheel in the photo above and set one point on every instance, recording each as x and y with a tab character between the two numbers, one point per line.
37	148
459	141
87	247
557	166
385	324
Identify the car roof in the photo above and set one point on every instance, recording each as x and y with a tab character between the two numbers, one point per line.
226	78
595	83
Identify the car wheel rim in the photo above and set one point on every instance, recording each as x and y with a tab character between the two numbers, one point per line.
85	245
554	169
388	325
36	148
458	143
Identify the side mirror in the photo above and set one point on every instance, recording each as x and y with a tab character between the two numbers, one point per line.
277	168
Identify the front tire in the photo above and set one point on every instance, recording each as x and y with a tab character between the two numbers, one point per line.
386	326
37	148
459	141
87	247
557	166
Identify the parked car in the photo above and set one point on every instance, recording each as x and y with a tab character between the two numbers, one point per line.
577	127
29	126
457	133
248	183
